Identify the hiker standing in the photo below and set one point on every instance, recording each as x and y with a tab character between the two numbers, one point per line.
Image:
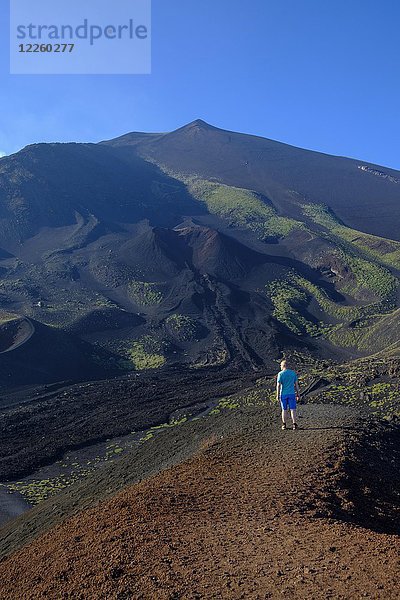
287	392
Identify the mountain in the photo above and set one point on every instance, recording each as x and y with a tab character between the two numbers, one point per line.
354	189
201	247
149	286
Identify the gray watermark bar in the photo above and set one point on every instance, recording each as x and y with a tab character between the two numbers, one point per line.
80	37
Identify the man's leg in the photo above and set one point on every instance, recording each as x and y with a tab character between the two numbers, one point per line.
293	406
285	416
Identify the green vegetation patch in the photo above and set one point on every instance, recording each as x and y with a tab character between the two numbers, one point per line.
341	313
373	334
147	437
229	403
241	208
383	398
375	247
261	394
290	300
361	327
173	423
258	396
378	248
146	353
144	293
34	491
372	277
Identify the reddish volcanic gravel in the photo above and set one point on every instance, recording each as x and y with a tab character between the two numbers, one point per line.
260	514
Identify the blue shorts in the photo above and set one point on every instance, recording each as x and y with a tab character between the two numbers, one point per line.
288	401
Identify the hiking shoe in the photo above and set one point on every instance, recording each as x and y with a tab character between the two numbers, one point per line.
295	426
283	426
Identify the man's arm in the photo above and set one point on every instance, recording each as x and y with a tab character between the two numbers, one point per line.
278	390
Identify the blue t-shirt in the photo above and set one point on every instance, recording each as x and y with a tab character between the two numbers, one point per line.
287	378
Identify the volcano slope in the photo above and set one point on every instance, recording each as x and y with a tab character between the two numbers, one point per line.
253	513
199	247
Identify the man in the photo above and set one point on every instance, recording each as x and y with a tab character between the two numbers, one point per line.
287	391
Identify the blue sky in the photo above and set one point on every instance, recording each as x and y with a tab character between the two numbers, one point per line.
320	75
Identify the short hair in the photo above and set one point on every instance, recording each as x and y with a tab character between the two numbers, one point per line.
284	363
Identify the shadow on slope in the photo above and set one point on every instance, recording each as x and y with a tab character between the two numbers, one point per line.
53	182
50	355
276	170
367	481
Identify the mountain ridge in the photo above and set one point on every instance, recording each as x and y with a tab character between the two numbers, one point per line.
286	235
202	124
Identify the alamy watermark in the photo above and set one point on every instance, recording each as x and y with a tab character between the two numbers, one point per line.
80	37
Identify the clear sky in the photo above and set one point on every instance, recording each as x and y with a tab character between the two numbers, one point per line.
320	74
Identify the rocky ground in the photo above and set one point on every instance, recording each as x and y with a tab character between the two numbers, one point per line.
45	424
248	512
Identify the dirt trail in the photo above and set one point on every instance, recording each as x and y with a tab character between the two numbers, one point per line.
256	514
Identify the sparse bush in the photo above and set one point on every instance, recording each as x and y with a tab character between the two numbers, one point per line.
368	275
240	207
289	302
145	294
146	353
